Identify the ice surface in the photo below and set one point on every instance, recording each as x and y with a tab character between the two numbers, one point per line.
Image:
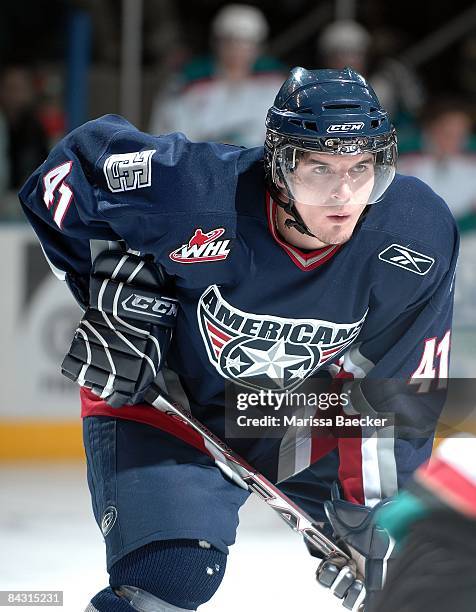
49	541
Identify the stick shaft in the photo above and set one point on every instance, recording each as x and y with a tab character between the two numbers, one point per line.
294	516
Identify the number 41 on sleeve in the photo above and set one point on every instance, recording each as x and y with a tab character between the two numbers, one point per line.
434	364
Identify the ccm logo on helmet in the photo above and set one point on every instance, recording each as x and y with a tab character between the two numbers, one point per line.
346	127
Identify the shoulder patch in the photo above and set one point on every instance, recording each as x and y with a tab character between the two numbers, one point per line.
406	258
128	171
202	247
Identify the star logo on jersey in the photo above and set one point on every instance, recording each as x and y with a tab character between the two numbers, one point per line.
406	258
202	247
267	352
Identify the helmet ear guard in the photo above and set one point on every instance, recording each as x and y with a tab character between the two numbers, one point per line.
276	186
288	206
297	221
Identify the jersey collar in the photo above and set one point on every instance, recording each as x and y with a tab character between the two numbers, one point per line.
304	261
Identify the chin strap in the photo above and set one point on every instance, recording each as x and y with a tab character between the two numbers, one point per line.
289	207
298	224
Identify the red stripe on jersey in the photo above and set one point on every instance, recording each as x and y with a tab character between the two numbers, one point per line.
350	468
322	446
304	261
329	352
350	455
92	405
450	485
343	374
216	332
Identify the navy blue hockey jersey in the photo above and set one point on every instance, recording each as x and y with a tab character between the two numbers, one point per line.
254	309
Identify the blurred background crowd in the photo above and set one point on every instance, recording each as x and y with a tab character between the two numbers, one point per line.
211	69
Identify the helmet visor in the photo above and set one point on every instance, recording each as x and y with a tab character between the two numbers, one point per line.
313	178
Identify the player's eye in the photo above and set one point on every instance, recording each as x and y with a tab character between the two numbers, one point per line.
321	169
360	168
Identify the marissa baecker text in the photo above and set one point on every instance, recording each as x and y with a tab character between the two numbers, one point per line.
295	421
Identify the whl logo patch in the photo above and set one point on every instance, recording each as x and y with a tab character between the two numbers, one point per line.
202	247
266	352
406	258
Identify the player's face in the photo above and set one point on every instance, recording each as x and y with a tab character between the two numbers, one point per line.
330	193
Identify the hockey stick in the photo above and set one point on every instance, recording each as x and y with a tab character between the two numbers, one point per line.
337	569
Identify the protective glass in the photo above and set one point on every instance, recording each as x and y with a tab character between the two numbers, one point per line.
313	178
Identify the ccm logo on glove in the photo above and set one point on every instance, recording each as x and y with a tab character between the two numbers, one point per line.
155	307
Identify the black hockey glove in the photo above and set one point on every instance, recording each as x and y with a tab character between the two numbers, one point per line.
120	343
370	546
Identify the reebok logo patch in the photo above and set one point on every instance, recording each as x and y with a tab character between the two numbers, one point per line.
406	258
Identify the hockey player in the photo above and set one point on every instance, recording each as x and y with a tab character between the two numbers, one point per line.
434	522
309	256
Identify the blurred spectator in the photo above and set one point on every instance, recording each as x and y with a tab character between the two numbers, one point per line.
347	43
4	164
51	113
27	141
444	161
225	97
465	66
